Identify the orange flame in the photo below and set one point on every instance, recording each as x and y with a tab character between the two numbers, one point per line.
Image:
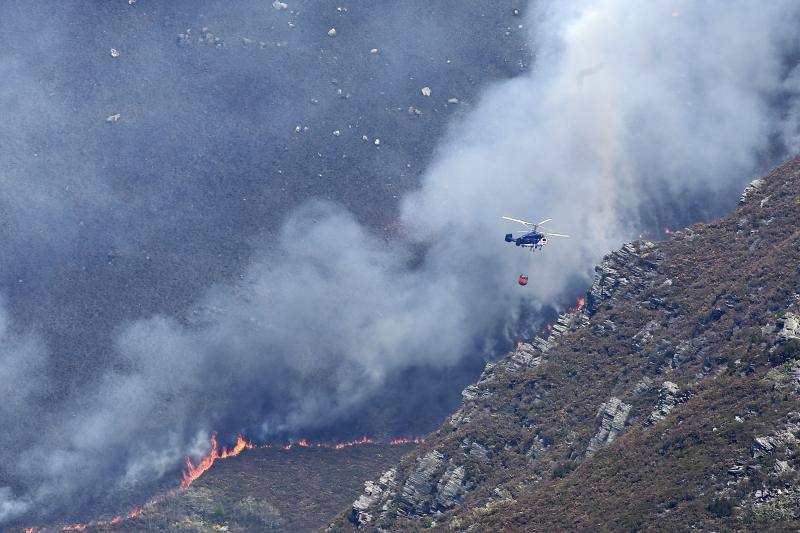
195	471
238	448
520	343
403	442
549	328
667	231
581	304
363	440
31	530
304	443
74	527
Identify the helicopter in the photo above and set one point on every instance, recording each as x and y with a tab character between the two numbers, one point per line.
532	238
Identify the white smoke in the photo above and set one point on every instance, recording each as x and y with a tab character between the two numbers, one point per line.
627	102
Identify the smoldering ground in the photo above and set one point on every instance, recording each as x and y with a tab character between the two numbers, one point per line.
665	109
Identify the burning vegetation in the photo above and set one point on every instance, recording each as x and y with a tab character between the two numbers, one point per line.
194	470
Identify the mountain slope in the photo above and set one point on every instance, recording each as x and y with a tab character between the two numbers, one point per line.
670	401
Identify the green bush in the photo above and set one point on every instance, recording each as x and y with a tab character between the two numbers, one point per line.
721	507
787	351
563	469
427	522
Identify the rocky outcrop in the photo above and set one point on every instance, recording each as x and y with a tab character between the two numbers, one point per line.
433	485
450	490
375	495
627	267
418	490
614	416
475	451
754	186
525	356
788	327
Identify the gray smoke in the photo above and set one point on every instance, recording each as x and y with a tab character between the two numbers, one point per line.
629	107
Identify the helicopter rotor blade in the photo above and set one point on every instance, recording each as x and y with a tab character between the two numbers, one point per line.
523	222
544	221
556	235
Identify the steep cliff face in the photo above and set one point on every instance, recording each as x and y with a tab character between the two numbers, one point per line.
670	401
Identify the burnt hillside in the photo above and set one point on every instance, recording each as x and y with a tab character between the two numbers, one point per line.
670	401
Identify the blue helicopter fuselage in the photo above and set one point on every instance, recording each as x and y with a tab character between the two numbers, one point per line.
532	239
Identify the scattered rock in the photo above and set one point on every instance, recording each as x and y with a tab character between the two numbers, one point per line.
668	398
737	470
114	53
645	335
426	91
280	5
642	385
113	118
782	467
332	32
